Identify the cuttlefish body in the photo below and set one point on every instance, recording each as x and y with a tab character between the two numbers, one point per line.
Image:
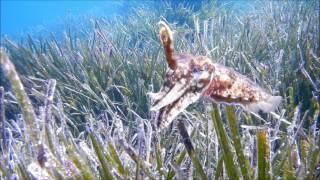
190	78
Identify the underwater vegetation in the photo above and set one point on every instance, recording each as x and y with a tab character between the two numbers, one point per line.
77	107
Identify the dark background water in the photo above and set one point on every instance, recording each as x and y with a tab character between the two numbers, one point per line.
21	17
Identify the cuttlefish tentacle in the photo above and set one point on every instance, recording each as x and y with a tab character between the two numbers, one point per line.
166	37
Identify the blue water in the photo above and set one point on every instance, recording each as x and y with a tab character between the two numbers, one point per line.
22	17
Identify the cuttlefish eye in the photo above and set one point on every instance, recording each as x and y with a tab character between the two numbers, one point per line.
196	70
206	67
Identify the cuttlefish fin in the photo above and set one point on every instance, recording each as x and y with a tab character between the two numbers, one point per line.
266	105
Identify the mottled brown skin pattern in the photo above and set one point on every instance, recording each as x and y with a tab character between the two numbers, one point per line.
174	76
185	64
171	78
190	78
233	88
167	41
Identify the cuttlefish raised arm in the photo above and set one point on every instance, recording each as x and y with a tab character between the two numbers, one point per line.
190	78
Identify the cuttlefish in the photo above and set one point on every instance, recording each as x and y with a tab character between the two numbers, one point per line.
191	78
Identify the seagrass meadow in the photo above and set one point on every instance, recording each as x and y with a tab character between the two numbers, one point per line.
77	106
